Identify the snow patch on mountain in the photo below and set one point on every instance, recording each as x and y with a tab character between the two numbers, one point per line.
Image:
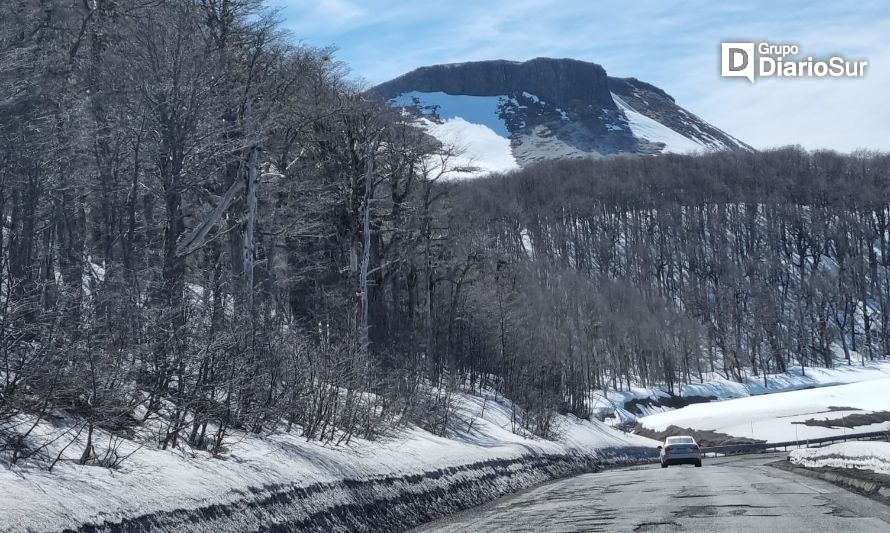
473	125
484	110
480	150
644	127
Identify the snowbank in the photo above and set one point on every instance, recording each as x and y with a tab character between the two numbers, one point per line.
246	488
872	456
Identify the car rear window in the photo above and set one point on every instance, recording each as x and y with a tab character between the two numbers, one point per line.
681	440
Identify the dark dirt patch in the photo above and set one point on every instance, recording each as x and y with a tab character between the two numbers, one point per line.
831	409
674	402
849	421
706	438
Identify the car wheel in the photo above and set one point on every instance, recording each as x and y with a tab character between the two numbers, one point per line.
664	465
698	464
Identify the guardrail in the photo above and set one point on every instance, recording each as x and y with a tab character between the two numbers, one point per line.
776	446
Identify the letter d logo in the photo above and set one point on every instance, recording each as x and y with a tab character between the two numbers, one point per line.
737	60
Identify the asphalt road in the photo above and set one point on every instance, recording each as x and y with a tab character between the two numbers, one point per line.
726	495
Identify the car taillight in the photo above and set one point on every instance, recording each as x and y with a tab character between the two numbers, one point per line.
668	448
695	446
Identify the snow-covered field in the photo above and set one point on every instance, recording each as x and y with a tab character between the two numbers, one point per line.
154	480
780	417
872	456
724	389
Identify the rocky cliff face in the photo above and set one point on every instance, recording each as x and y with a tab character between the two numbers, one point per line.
656	104
567	81
549	108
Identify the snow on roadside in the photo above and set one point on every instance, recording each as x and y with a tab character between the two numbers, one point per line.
780	417
153	480
868	455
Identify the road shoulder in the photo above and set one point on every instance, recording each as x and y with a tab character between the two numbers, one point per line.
862	482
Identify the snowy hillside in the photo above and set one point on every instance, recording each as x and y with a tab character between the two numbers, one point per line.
483	110
504	114
653	131
471	124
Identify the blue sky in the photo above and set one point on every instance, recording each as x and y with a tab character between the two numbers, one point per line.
674	45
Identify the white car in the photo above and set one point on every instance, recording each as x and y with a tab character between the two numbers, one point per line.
680	451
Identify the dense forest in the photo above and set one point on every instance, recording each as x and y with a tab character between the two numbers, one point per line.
209	229
671	269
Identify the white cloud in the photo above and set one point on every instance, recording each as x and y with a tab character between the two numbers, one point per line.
840	114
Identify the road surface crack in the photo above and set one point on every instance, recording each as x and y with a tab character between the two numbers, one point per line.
655	526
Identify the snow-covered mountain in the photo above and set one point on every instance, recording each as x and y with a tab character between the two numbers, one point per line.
507	114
